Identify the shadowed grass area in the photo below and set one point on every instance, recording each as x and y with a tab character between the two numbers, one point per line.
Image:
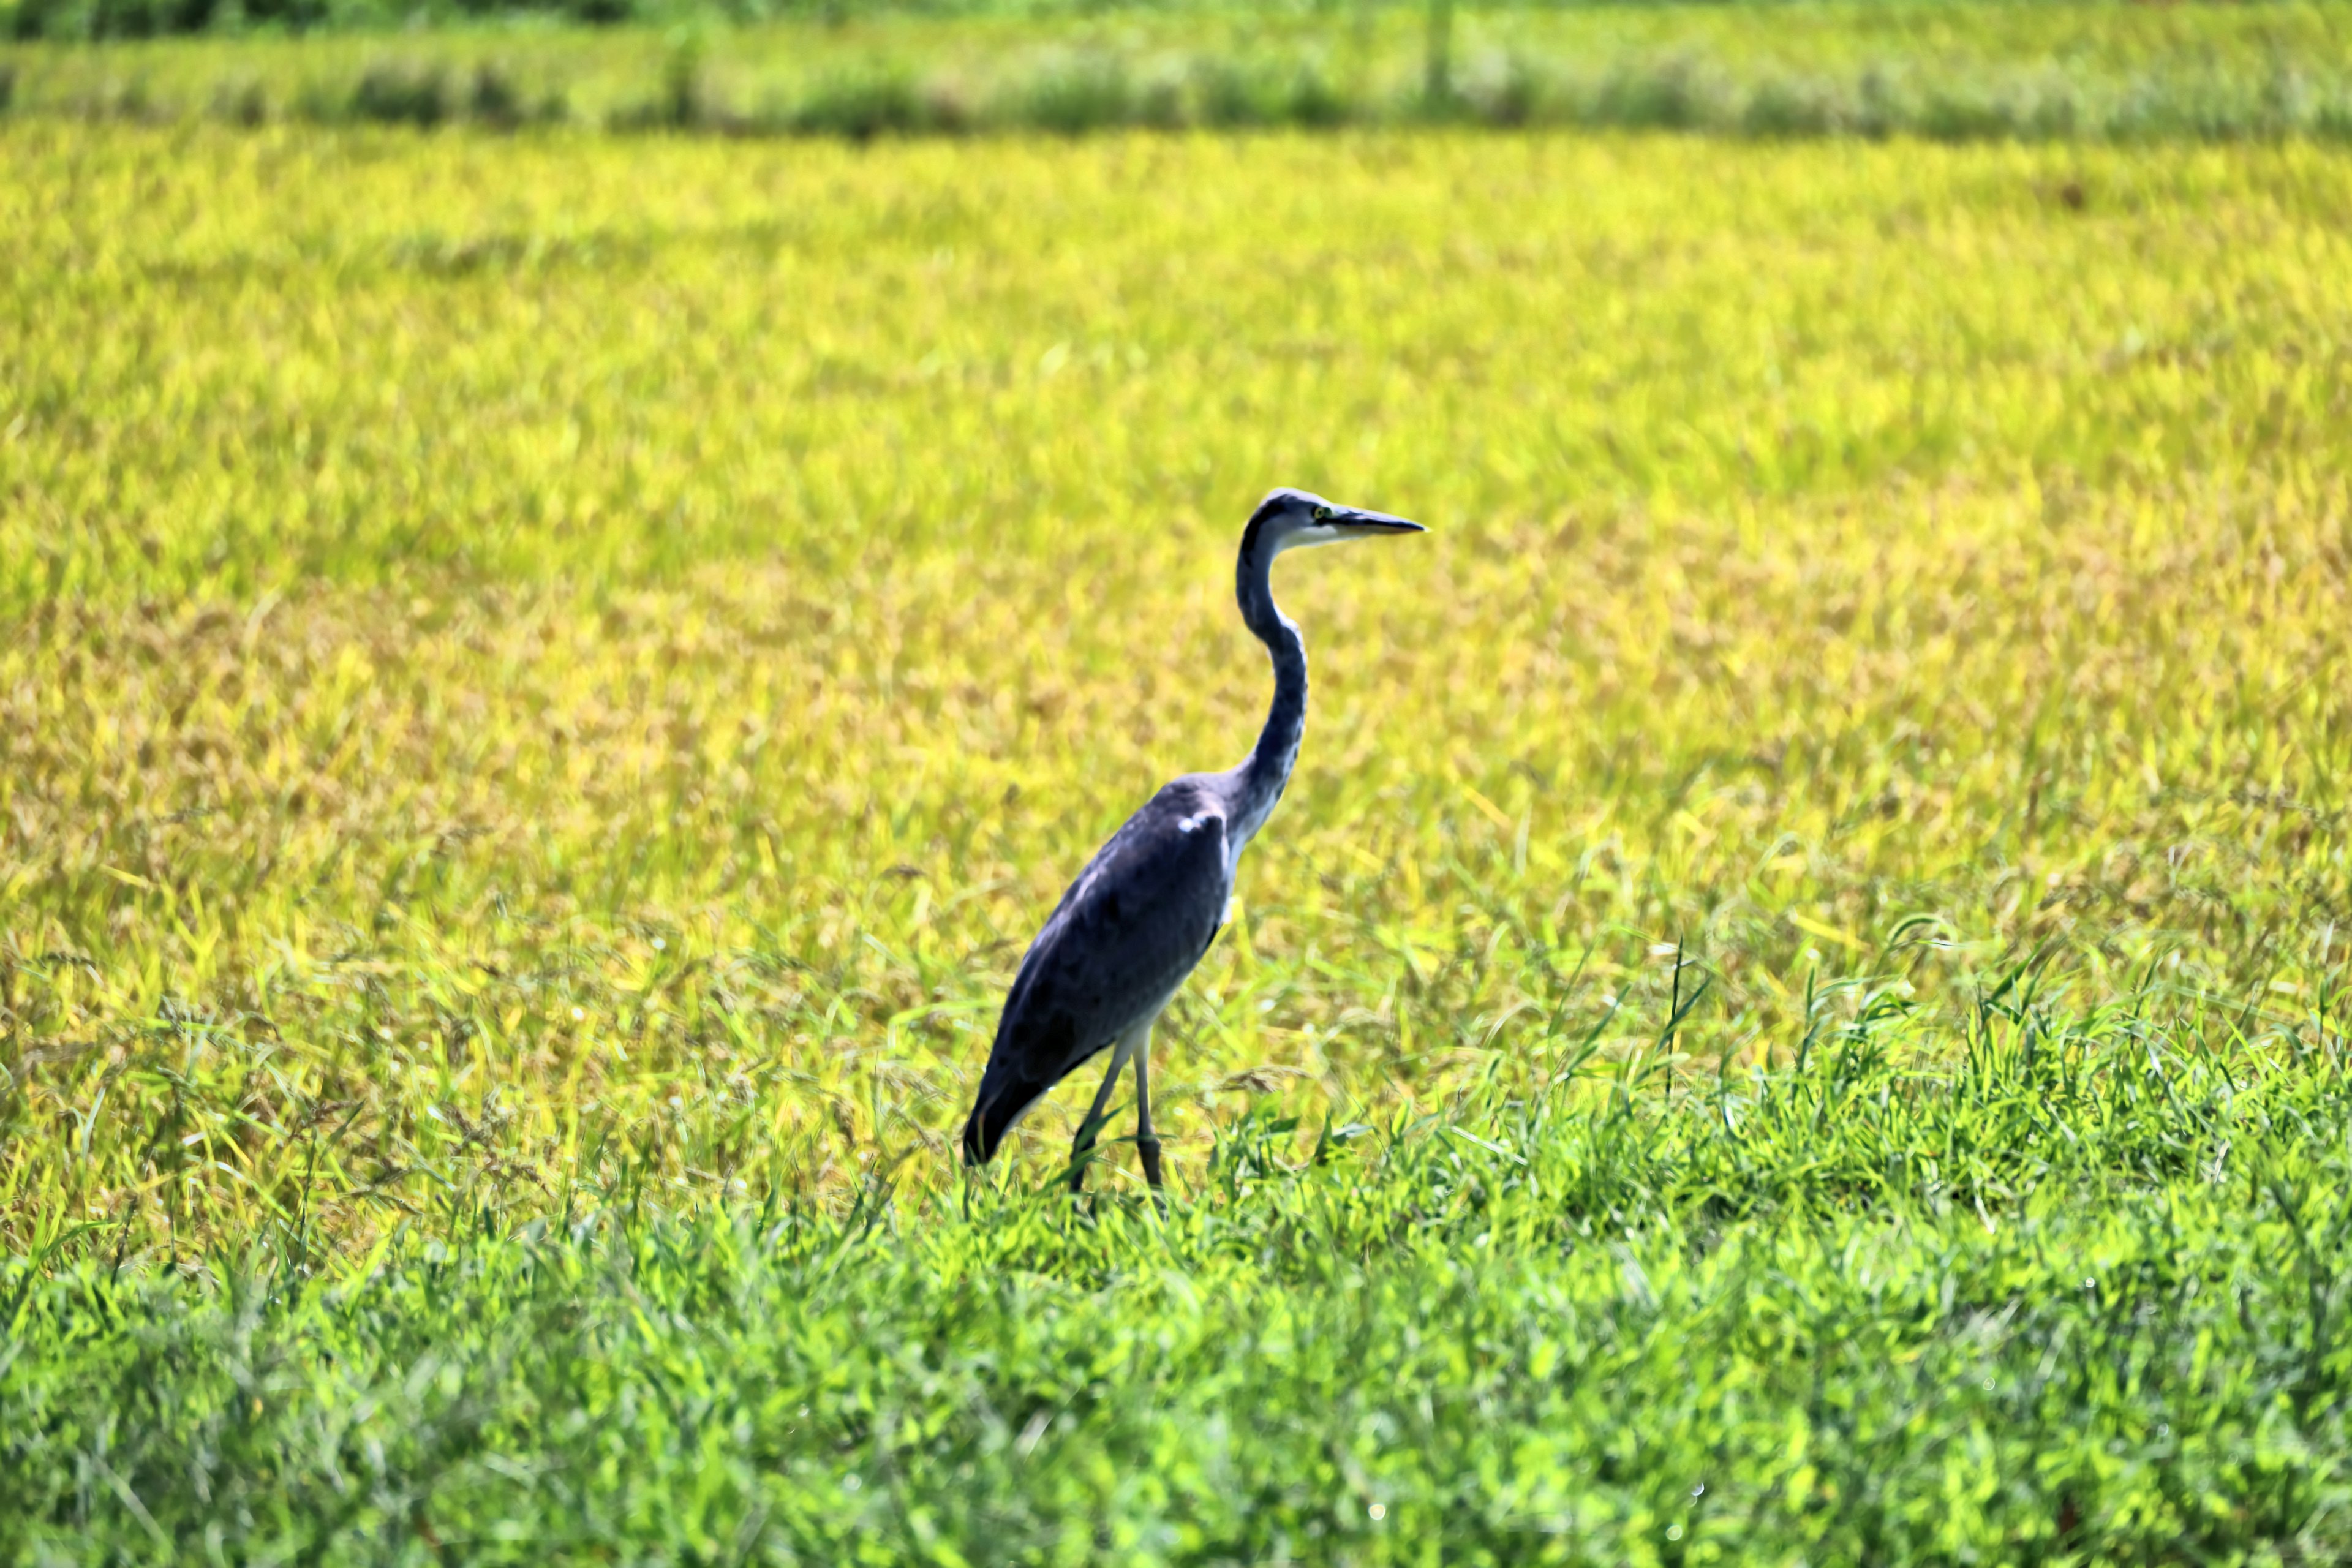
1933	69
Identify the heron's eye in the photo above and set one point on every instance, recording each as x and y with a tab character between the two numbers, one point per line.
1322	514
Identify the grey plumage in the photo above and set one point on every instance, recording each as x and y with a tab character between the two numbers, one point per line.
1147	906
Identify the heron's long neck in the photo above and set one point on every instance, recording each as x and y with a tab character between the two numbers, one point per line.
1263	776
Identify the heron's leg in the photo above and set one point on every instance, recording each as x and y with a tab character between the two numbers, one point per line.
1146	1142
1084	1142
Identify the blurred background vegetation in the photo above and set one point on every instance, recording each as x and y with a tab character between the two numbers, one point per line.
1942	68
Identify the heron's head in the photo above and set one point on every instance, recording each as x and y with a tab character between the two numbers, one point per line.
1289	519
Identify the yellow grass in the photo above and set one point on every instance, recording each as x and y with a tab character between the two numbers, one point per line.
558	671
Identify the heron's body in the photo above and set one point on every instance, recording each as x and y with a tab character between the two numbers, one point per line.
1147	906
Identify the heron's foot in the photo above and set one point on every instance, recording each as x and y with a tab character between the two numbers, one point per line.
1079	1159
1149	1149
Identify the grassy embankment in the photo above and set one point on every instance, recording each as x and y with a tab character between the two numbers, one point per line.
1929	68
547	681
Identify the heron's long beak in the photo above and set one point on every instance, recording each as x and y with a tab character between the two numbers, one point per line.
1353	524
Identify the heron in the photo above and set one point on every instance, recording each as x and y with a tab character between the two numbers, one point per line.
1145	908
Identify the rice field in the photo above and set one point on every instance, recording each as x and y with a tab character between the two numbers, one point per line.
1792	1011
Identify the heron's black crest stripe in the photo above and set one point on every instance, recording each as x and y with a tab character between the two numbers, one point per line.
1265	508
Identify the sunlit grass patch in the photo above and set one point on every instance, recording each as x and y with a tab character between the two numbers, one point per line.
2084	1272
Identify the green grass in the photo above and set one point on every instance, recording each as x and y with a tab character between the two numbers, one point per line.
547	681
1929	68
2078	1294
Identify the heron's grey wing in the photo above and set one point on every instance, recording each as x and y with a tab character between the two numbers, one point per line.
1122	939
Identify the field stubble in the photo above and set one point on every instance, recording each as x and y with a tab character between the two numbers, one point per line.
550	681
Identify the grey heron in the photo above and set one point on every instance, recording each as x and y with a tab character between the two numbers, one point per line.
1147	906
